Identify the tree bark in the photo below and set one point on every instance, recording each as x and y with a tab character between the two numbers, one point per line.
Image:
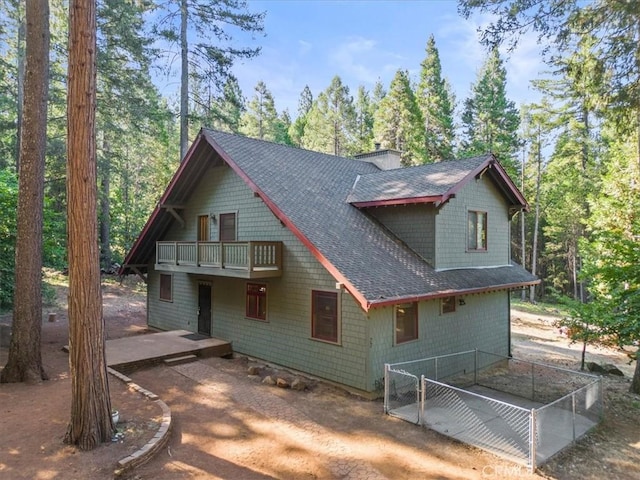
635	382
20	81
90	422
25	360
184	81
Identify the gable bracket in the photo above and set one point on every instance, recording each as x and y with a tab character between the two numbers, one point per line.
139	273
172	210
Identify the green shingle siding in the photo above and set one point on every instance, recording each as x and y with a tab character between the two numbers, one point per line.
285	338
451	228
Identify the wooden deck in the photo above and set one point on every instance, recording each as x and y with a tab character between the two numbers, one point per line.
130	353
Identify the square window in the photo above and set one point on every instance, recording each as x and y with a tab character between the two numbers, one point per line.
256	301
166	287
448	304
406	322
324	320
477	231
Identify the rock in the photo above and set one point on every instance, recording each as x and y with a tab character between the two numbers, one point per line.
254	370
282	383
298	384
268	380
611	369
594	367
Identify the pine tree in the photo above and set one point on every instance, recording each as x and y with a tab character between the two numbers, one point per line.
296	130
260	120
436	103
398	123
331	122
210	54
490	120
90	422
364	121
25	360
226	111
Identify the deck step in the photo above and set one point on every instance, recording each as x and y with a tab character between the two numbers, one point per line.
170	362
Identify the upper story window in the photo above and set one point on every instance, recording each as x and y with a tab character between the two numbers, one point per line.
227	227
477	231
325	323
256	301
406	322
203	228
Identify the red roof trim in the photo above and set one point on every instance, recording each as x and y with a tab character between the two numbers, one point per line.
289	224
447	293
398	201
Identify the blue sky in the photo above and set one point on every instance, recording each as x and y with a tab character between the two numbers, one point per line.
308	42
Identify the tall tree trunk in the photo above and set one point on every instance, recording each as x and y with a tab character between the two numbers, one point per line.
523	238
25	359
90	422
184	80
635	382
534	250
20	81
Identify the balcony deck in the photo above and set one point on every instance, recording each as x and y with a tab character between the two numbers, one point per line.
254	259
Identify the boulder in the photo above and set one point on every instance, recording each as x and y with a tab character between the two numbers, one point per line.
282	383
611	369
595	367
268	380
298	384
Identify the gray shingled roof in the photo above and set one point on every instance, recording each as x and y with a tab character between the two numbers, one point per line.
431	180
309	191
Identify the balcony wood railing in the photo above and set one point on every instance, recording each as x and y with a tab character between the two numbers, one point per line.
254	256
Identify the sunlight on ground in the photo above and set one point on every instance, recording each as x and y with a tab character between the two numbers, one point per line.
635	445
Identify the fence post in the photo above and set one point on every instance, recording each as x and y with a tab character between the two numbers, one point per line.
573	414
386	388
475	368
533	432
533	382
436	368
423	399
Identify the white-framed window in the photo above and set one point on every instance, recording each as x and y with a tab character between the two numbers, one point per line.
477	231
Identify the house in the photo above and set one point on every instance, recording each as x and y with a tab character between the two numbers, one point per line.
328	265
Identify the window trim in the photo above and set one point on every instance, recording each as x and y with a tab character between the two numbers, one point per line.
338	320
485	246
442	305
249	314
416	322
169	276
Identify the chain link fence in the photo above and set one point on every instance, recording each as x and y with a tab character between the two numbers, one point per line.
523	411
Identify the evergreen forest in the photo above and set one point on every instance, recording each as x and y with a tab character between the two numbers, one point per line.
575	154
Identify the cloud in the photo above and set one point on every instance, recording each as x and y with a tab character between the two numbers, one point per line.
359	58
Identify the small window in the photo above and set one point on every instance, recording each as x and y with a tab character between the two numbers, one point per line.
227	227
406	319
477	231
166	287
324	321
448	304
256	301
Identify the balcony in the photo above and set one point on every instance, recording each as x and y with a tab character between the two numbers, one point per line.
227	259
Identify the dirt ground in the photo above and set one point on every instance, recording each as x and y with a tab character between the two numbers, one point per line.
229	425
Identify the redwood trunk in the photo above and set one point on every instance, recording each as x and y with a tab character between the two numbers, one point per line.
25	360
90	422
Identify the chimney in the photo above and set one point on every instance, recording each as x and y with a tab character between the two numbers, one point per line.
383	159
